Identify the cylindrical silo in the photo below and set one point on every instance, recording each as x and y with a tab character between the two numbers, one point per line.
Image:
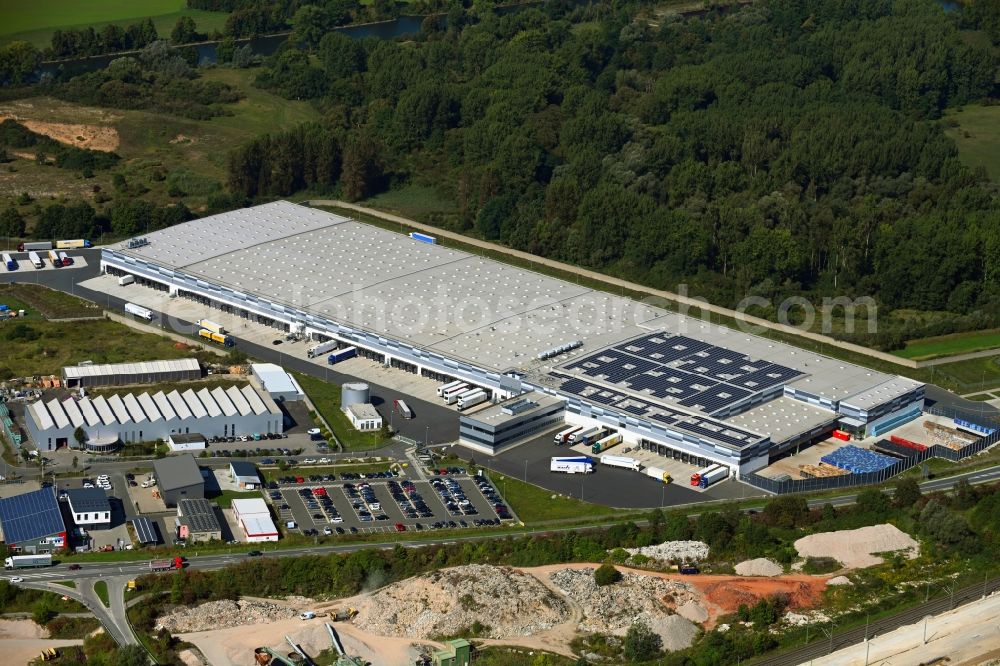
354	393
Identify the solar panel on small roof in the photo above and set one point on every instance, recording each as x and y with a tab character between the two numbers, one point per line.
145	530
30	516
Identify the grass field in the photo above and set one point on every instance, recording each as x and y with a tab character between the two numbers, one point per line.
326	398
50	303
414	201
978	137
536	505
101	590
35	22
949	345
225	500
192	152
67	343
968	376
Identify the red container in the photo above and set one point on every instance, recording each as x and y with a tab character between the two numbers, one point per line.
841	435
907	443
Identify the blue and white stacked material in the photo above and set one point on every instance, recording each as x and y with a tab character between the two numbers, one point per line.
858	461
975	427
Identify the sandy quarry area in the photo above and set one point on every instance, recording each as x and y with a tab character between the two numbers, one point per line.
537	608
94	137
23	640
855	549
966	636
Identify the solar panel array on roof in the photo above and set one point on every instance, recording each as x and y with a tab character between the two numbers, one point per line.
145	530
676	368
199	514
88	500
30	516
693	424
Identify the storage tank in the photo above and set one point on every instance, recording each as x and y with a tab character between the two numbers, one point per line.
354	393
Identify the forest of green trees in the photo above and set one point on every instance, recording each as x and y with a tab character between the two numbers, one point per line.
787	147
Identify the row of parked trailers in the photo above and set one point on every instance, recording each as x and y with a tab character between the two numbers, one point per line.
58	259
462	394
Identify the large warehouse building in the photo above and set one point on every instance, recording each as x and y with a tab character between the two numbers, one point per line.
120	374
676	385
146	418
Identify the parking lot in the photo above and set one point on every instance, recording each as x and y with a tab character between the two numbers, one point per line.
353	506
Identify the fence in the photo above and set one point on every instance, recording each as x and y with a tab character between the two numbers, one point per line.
848	480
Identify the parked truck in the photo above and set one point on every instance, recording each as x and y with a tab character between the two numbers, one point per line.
27	561
28	247
576	465
696	477
126	280
66	259
167	565
658	473
718	474
606	443
423	238
563	436
211	326
35	260
139	311
54	258
447	387
467	400
403	409
9	262
75	244
321	348
585	435
217	338
342	355
622	462
451	395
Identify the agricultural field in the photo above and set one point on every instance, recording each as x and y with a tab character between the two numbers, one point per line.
192	153
34	22
949	345
977	136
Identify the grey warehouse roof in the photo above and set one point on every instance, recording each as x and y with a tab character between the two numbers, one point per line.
130	408
141	368
500	413
498	317
177	472
30	516
88	500
198	514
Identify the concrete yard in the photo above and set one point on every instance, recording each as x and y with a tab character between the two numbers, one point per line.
608	486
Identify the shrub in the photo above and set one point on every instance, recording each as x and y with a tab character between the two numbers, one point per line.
606	574
820	565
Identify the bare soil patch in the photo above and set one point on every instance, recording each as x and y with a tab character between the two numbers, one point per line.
93	137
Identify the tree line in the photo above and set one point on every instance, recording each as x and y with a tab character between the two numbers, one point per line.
778	149
159	77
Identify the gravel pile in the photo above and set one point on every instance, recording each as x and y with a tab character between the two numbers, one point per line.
855	548
839	580
613	608
510	603
759	567
223	614
673	550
